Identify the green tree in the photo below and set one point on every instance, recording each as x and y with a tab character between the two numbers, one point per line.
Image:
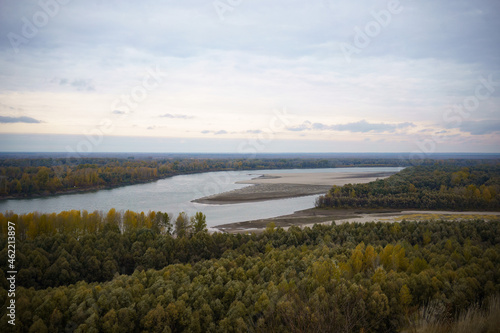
182	225
39	327
199	223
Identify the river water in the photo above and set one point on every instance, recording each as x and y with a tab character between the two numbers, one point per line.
174	195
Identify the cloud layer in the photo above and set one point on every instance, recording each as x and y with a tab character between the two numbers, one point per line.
361	126
176	116
481	127
12	120
187	70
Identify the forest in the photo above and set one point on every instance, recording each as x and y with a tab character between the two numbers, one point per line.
126	271
441	185
44	176
150	272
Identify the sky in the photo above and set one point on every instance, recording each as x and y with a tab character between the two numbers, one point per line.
250	76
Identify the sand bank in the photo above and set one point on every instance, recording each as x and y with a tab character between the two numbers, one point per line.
309	217
290	185
319	178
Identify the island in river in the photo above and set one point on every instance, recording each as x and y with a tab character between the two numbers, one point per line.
290	185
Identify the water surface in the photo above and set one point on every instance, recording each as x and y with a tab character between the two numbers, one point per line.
174	195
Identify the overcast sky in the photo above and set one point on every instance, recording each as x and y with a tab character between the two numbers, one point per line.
250	76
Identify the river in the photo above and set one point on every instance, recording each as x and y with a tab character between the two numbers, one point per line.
174	195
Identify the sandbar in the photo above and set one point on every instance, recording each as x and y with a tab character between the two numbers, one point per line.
312	216
318	178
290	185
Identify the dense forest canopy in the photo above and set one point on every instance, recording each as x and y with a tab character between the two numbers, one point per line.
120	271
440	185
173	276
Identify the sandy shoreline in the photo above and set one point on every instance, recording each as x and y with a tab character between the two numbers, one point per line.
309	217
263	192
286	185
318	178
290	185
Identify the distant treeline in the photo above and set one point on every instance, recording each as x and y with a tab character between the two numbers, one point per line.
45	176
99	273
28	177
441	185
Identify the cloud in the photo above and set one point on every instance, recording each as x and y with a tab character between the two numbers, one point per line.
221	132
319	126
176	116
231	73
8	107
306	125
11	120
361	126
480	127
364	127
78	84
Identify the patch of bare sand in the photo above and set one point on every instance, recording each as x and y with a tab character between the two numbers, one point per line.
262	192
290	185
310	217
319	178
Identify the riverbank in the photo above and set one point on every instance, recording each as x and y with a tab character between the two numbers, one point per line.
289	185
90	189
77	190
309	217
